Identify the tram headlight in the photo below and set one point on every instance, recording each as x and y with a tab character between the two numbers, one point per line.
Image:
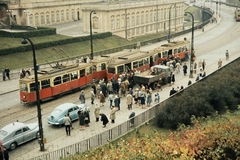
24	97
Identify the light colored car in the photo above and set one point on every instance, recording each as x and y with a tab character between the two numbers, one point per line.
57	115
18	133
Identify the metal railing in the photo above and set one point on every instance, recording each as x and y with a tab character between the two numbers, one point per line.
101	138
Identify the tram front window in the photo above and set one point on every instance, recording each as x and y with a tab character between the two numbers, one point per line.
33	88
111	70
23	87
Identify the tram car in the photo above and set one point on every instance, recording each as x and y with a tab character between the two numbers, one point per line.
99	64
55	81
237	14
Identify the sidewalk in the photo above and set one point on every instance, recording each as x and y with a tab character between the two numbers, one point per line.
122	115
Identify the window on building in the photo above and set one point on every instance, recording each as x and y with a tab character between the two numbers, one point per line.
133	21
118	24
62	16
57	17
146	18
36	20
142	19
112	24
67	16
52	17
142	29
151	17
137	31
30	20
151	27
133	32
42	18
73	17
47	18
146	29
128	23
137	20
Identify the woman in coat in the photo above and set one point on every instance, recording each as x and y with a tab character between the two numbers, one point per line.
149	98
81	118
87	117
97	112
104	119
129	100
102	99
113	114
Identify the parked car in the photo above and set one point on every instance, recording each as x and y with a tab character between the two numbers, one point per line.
57	115
18	133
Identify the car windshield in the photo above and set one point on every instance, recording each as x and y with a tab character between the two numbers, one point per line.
3	133
57	111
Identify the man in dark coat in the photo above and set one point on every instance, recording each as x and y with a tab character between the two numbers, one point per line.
185	69
173	91
7	71
115	87
81	120
94	88
117	102
104	119
104	89
131	118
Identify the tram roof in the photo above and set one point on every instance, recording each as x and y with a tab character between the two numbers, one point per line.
49	72
171	45
129	58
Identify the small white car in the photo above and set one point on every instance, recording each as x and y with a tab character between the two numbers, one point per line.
18	133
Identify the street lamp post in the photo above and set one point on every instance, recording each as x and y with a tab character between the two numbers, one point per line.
94	12
192	50
169	23
25	41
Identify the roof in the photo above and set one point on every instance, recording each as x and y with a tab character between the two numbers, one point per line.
13	126
161	66
65	106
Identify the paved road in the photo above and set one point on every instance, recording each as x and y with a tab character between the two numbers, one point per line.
207	46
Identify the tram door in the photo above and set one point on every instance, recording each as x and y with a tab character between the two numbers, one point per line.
151	61
128	67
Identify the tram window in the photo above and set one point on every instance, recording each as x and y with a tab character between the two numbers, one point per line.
135	64
111	70
164	54
179	50
140	63
103	66
74	75
32	87
89	70
23	87
159	55
94	67
145	61
66	78
155	57
120	69
57	80
175	51
82	73
45	83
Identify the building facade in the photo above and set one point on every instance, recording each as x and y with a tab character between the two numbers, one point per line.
134	18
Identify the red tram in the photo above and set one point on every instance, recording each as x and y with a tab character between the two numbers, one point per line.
55	81
61	79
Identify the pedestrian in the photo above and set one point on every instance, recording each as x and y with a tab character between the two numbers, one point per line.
71	121
101	99
142	99
159	84
178	66
104	89
117	102
98	90
203	65
94	89
81	119
92	96
149	98
131	117
109	87
198	77
136	94
172	92
86	117
173	78
219	63
7	71
97	112
82	97
157	98
110	99
185	69
129	100
227	55
104	119
3	152
3	74
189	82
113	114
67	122
169	79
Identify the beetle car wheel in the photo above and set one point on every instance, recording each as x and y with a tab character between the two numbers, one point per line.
13	146
154	85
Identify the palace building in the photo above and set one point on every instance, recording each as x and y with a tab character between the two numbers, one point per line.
125	18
